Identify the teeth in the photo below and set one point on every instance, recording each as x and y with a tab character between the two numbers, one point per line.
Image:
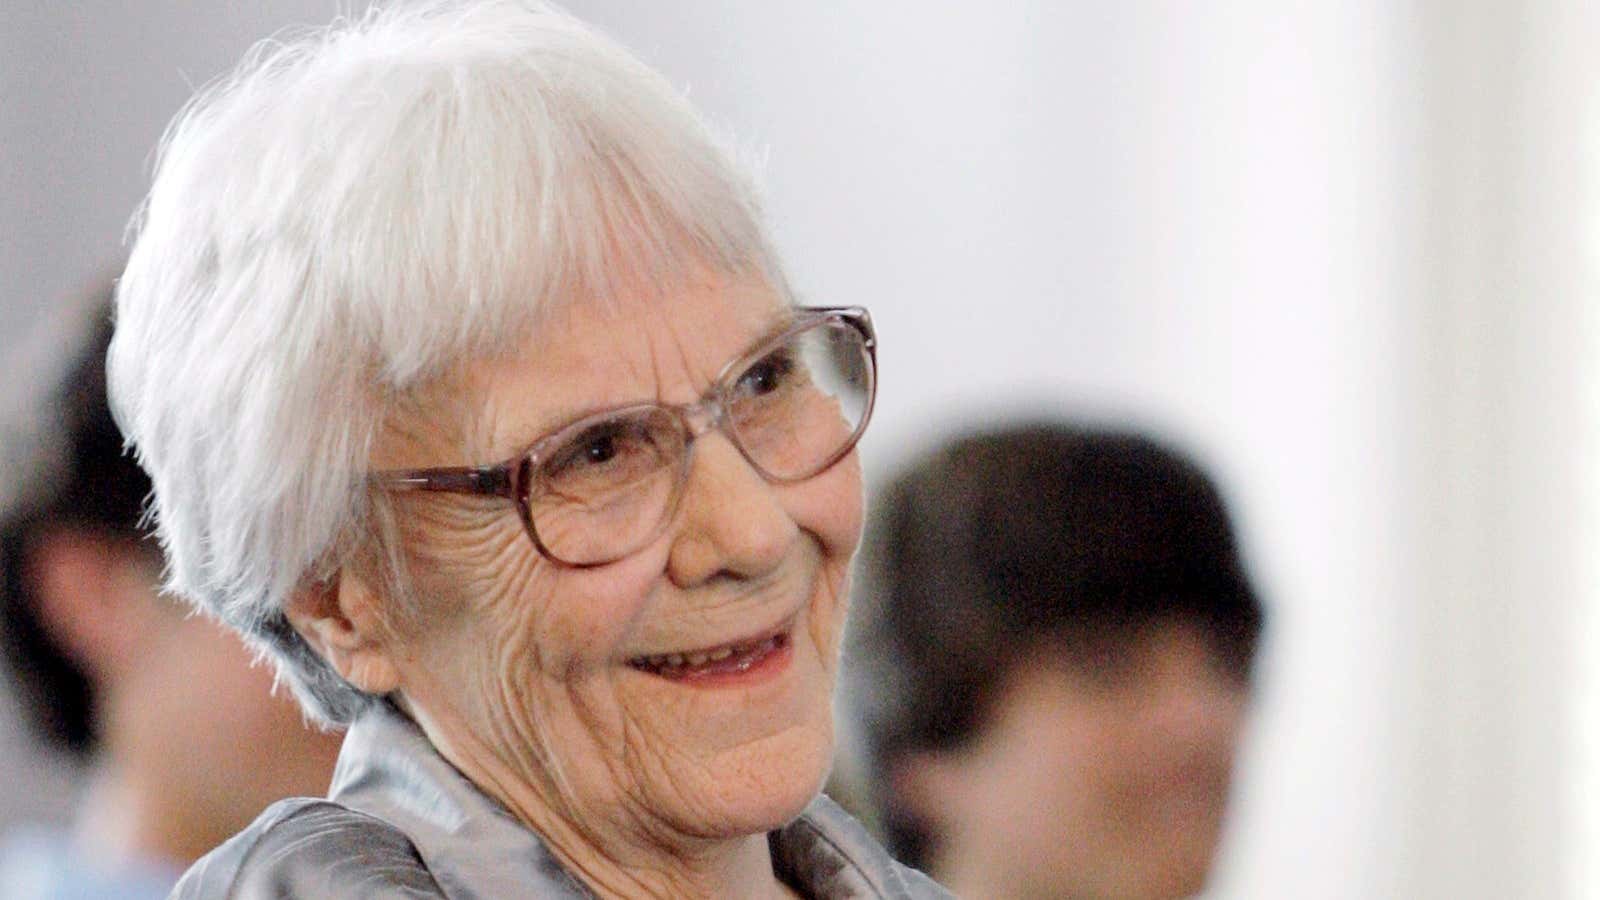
700	658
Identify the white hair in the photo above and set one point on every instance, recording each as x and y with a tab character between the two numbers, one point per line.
351	214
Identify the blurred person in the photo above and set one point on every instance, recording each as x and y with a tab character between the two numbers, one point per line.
473	392
181	735
1061	635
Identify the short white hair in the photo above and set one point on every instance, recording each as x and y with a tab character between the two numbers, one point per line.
348	216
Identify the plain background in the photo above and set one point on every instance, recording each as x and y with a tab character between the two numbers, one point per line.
1345	252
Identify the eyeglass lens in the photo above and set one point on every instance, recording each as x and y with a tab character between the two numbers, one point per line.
605	491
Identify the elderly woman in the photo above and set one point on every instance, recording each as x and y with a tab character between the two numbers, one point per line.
473	396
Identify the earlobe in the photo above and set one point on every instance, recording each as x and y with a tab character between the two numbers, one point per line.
342	620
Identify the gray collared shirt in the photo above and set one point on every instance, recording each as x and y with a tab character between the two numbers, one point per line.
400	821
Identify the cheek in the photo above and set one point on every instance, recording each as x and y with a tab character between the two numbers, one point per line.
486	609
211	679
582	619
477	570
529	661
1063	764
541	626
848	513
829	507
1108	768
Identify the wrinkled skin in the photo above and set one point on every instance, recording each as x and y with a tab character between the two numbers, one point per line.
518	669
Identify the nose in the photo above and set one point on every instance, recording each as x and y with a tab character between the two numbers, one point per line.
730	519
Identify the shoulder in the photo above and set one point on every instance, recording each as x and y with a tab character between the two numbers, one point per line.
310	849
920	886
827	854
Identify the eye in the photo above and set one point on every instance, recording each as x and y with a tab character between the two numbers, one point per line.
600	449
768	374
597	447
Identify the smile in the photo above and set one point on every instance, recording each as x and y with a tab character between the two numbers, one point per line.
726	662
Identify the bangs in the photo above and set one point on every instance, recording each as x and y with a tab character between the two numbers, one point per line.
490	197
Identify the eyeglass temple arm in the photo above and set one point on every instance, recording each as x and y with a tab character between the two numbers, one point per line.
482	480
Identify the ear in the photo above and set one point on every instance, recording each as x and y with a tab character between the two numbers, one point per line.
86	601
343	620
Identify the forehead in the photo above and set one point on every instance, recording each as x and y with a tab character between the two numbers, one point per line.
589	356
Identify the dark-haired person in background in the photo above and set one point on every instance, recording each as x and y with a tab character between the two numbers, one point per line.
1063	636
183	740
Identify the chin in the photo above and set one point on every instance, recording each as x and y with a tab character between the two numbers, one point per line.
1174	887
770	784
1184	875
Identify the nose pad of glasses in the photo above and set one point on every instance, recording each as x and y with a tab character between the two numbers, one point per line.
707	415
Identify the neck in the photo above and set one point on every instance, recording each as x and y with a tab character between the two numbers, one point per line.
634	860
126	817
142	806
734	868
132	807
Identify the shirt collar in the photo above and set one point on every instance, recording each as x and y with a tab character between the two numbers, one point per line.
476	849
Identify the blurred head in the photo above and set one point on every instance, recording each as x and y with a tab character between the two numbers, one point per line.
404	299
110	670
1063	633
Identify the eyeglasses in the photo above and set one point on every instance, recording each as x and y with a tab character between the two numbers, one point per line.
606	485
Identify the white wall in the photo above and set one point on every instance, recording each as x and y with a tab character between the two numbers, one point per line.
1499	695
1300	239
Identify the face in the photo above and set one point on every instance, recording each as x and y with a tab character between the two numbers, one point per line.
1110	782
543	682
245	745
169	687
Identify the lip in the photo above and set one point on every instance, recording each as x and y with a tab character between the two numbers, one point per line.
743	661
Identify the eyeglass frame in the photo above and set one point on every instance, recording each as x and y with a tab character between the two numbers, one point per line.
512	478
